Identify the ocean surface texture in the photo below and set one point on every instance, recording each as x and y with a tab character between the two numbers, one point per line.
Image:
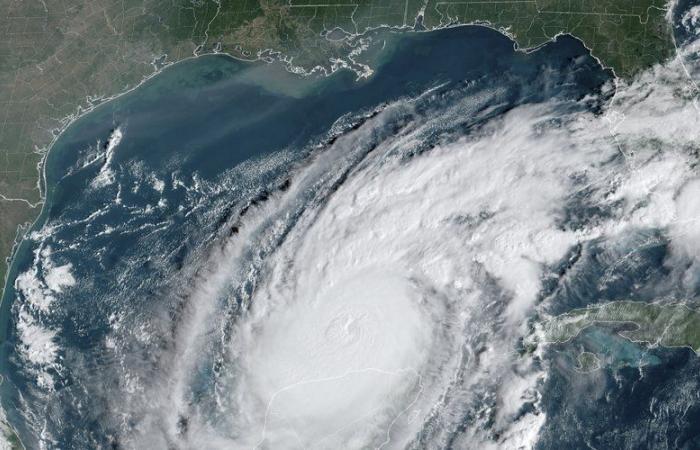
232	256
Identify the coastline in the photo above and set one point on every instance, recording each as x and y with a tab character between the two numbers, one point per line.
568	48
268	56
264	56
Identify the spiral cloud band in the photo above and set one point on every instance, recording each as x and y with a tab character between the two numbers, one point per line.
391	304
373	290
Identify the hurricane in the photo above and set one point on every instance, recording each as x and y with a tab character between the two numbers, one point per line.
371	284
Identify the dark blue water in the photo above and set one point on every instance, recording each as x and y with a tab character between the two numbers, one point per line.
194	148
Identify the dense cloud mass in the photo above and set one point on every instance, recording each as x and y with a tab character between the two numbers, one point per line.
376	294
390	284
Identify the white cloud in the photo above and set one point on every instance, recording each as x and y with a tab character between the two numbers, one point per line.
396	297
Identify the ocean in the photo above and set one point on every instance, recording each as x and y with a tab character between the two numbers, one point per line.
146	307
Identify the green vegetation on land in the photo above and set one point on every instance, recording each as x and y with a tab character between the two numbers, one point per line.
669	325
587	362
60	57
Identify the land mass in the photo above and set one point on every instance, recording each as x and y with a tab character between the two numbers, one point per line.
60	58
668	325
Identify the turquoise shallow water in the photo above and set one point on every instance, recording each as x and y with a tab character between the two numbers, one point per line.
200	143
